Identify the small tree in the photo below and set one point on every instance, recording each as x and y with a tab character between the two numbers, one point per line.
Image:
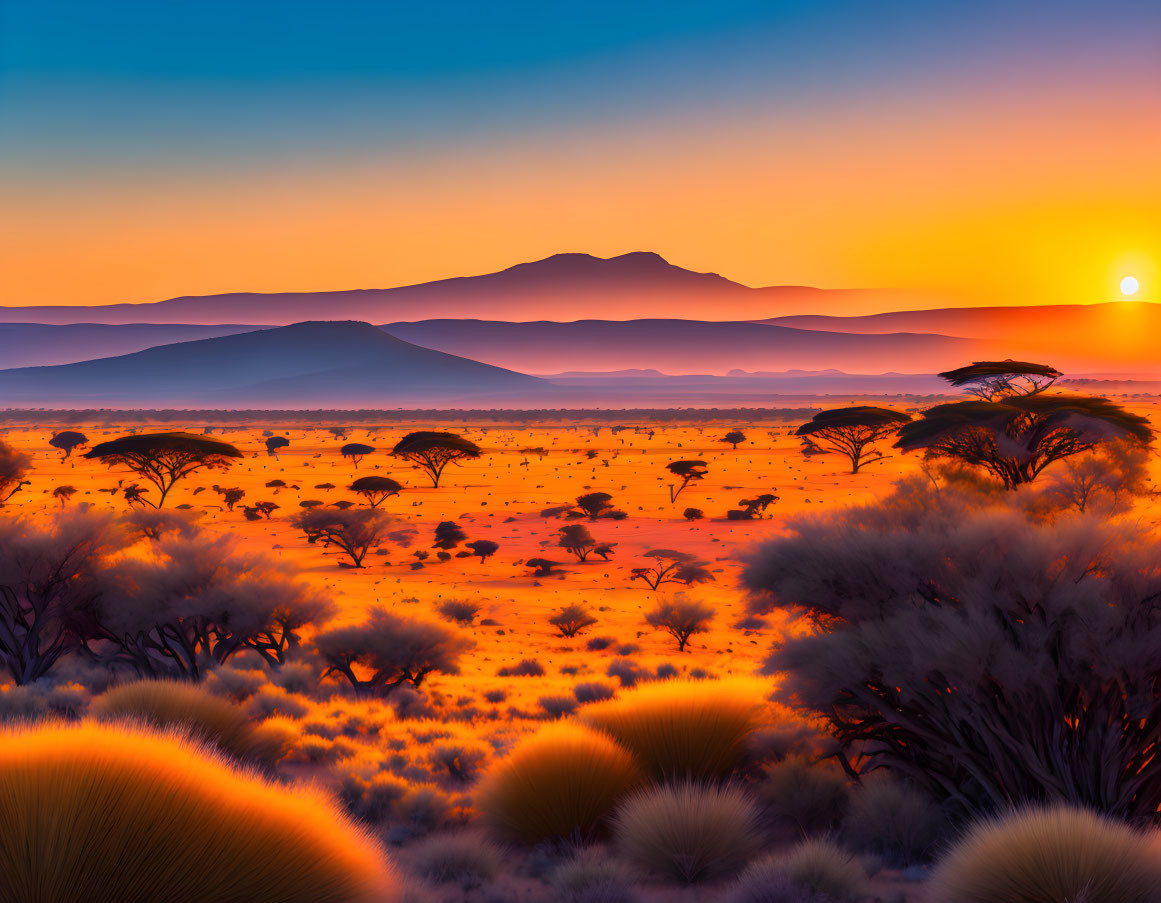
681	618
485	548
448	535
854	431
993	380
339	432
597	505
356	452
577	539
67	440
274	443
14	465
670	566
164	458
433	451
63	494
734	437
390	650
230	495
1014	440
692	514
355	531
542	567
755	508
375	489
687	472
572	619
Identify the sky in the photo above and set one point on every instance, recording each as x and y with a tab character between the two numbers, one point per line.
977	152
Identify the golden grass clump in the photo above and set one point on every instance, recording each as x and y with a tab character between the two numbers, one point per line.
169	703
560	782
683	728
103	814
689	832
1051	855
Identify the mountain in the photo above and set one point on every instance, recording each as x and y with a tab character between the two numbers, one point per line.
37	344
682	346
1117	336
311	364
563	287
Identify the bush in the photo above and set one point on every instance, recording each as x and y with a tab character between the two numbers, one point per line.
461	612
528	667
682	728
1049	855
894	821
166	704
572	619
810	798
558	706
766	882
593	876
813	872
463	859
561	782
689	832
592	691
95	812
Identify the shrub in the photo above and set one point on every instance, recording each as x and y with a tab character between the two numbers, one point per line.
813	872
464	859
459	611
682	728
811	798
681	618
688	832
627	671
766	882
894	821
1050	855
571	620
100	813
562	781
173	704
592	691
557	706
528	667
593	876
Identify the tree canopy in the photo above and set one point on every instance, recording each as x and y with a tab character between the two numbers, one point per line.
355	451
687	472
853	431
376	489
434	451
164	458
989	380
67	440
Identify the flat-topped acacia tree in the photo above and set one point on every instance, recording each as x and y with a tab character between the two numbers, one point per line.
355	451
854	431
375	489
164	458
687	472
433	451
274	443
67	440
991	380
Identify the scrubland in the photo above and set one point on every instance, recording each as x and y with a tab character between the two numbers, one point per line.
507	760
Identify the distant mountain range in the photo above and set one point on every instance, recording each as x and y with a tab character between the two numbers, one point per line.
561	287
347	364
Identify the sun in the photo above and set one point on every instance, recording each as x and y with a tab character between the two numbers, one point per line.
1129	286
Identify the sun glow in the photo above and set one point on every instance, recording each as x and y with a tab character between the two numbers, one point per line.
1129	286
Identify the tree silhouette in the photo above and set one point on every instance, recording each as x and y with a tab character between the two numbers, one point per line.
14	466
1014	440
755	508
597	505
543	567
485	548
681	618
854	431
993	380
688	472
432	452
692	514
572	619
274	443
375	489
355	531
164	458
67	440
64	493
734	437
448	535
577	539
670	566
355	451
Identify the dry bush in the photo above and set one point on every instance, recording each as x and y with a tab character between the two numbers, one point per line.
682	728
460	611
689	832
765	882
593	876
561	782
815	871
811	798
98	813
1049	856
894	821
166	703
464	859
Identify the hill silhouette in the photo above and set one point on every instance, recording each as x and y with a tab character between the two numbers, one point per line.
323	363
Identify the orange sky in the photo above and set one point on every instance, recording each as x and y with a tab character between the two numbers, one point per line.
976	197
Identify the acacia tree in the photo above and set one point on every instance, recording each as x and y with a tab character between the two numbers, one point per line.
274	443
355	531
992	658
64	493
67	440
433	451
356	451
992	380
681	618
734	437
577	539
375	489
687	472
485	548
448	535
164	458
854	431
14	465
1014	440
670	566
390	650
572	619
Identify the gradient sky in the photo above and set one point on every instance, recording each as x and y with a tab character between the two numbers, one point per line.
983	152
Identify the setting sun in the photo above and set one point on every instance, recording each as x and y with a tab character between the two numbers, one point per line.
1129	286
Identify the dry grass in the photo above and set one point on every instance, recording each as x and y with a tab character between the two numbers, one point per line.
1058	855
464	859
689	832
683	728
561	782
824	869
101	814
166	703
810	798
